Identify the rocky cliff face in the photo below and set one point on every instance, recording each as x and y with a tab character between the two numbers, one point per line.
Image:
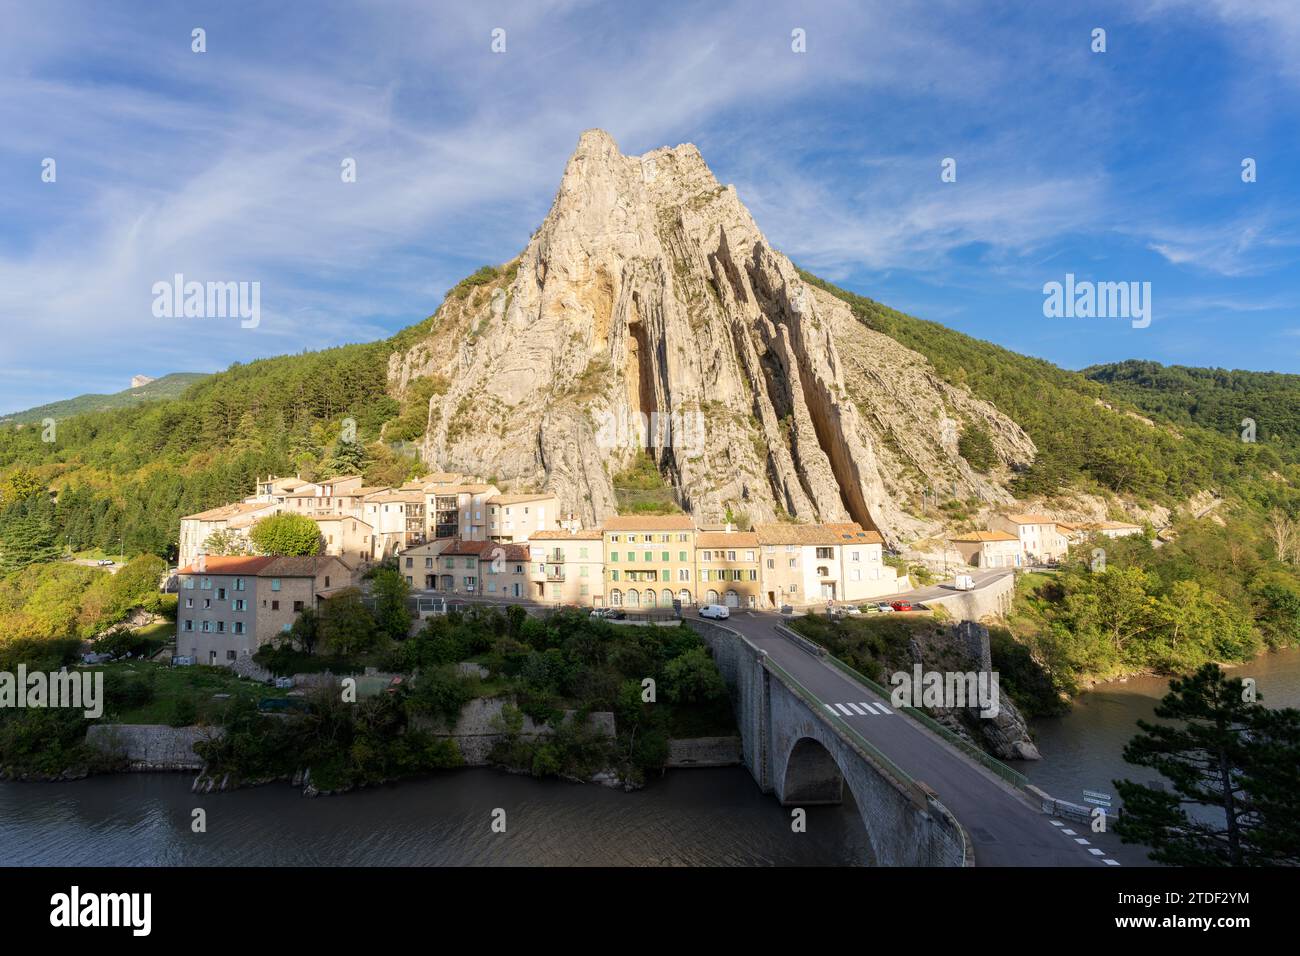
649	291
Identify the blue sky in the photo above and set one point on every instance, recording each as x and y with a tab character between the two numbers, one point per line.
1119	166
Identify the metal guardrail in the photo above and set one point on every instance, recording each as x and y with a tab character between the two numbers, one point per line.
1013	777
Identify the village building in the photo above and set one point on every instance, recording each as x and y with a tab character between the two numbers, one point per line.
1040	538
989	549
568	567
228	607
649	560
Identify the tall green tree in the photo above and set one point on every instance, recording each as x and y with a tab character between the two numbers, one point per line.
1230	761
390	591
286	533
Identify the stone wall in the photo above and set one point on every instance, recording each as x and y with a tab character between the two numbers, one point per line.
152	746
992	600
705	752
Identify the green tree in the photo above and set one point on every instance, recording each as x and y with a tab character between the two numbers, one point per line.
27	534
976	447
390	591
286	533
226	542
1232	758
346	625
692	678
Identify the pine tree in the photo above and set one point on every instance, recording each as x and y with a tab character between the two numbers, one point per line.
1233	761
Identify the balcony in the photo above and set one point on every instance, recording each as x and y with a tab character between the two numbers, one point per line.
556	575
556	558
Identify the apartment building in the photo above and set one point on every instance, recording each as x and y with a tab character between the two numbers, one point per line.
568	567
649	560
344	495
345	536
229	607
457	511
809	564
396	519
1040	538
989	549
516	517
485	568
238	518
728	568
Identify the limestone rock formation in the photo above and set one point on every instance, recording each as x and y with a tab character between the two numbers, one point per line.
649	291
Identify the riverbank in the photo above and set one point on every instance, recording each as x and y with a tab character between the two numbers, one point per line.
1083	749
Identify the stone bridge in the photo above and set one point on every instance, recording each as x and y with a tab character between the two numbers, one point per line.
795	750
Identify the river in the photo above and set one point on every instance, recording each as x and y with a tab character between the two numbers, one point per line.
685	818
1084	749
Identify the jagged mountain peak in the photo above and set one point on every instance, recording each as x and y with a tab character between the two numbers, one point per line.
648	290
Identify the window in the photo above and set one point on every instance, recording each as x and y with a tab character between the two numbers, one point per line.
206	584
275	605
649	555
230	655
794	589
666	556
823	553
753	575
706	556
189	625
613	556
189	602
189	584
771	565
207	626
428	562
221	594
240	604
582	554
749	555
794	562
410	562
704	574
683	574
613	574
855	555
297	605
327	580
239	584
275	584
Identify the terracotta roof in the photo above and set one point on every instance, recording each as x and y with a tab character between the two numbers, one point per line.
726	539
336	516
824	534
437	489
590	534
518	499
1030	519
218	564
230	511
649	523
441	478
484	549
300	566
984	536
409	496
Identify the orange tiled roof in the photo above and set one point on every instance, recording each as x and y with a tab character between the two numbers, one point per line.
649	523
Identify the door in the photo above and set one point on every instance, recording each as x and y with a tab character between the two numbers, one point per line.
733	599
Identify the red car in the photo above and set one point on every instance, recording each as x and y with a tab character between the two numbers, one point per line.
902	606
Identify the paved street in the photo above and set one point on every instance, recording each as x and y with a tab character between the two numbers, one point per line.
1005	827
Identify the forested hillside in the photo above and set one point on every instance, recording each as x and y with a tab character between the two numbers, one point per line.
1212	398
169	386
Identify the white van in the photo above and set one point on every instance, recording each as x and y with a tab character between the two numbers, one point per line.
964	582
718	611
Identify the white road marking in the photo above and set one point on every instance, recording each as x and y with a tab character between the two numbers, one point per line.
858	710
831	709
1095	852
1110	862
1057	823
847	712
1081	841
884	709
1068	832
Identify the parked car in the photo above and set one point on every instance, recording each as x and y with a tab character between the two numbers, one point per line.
870	609
609	613
716	611
902	606
884	607
104	562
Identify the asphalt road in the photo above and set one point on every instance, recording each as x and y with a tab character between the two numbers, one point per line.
1005	827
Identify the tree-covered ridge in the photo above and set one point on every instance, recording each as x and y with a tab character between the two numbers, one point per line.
1214	398
1087	434
169	386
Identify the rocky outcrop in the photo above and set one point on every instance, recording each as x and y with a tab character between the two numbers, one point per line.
649	291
